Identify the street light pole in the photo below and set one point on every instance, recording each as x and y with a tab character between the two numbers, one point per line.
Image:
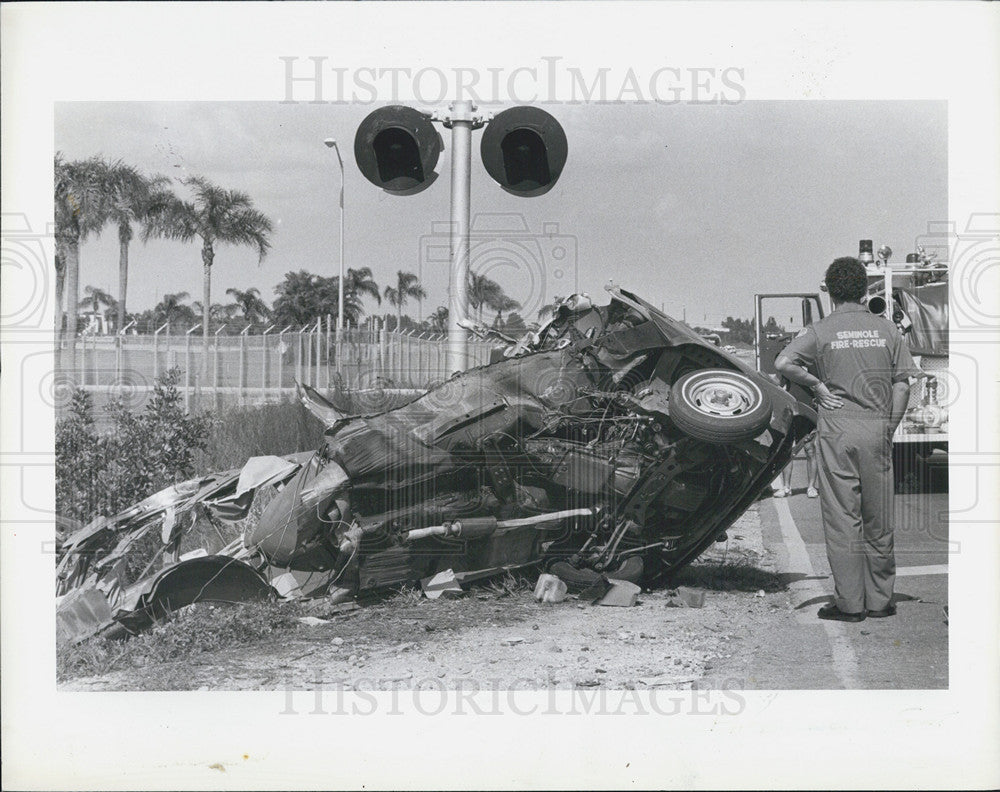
331	143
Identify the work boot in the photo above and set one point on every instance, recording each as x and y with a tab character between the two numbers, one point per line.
832	613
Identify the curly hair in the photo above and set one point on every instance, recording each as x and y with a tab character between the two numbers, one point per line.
847	280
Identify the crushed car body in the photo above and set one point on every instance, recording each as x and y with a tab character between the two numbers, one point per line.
614	441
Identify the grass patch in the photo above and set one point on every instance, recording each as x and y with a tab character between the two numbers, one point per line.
509	584
200	628
270	429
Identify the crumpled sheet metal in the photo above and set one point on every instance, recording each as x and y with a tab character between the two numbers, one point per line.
89	573
232	504
299	513
80	614
317	404
262	470
292	583
213	578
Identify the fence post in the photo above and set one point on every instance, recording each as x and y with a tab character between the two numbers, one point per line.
319	351
120	353
156	351
328	352
263	365
83	360
281	360
298	356
215	371
118	356
242	366
187	367
307	351
382	343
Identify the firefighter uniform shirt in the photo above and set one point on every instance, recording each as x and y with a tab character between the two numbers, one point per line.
857	354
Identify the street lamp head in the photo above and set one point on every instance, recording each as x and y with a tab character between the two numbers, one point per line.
330	142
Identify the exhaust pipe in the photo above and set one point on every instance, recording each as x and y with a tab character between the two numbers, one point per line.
477	527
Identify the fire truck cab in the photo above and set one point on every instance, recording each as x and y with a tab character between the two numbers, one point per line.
914	296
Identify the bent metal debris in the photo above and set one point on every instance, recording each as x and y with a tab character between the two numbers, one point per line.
613	442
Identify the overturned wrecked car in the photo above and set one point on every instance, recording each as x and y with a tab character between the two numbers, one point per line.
614	441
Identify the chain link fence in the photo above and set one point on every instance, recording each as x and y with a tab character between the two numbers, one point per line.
262	369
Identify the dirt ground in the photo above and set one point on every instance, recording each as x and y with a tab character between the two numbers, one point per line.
495	636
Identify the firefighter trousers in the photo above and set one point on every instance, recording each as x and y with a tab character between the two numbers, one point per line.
856	498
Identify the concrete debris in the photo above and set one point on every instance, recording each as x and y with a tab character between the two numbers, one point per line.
311	621
441	584
596	590
684	597
549	588
622	594
294	584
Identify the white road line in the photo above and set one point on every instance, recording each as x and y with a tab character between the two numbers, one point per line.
845	661
933	569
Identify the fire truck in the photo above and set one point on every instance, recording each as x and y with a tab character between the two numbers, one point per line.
912	294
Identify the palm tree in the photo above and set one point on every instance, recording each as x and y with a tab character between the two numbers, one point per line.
130	197
96	297
407	285
503	303
79	212
357	283
482	291
214	216
172	309
217	312
250	304
439	320
485	293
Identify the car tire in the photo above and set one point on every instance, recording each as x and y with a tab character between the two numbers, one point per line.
719	406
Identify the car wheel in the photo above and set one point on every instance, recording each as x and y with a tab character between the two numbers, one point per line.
719	406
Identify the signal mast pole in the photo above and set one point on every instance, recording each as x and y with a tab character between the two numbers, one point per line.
461	119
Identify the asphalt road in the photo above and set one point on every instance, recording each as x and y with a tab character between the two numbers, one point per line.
906	651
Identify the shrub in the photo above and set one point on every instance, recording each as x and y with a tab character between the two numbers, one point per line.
141	454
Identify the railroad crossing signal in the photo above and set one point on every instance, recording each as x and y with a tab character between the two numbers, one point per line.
397	149
524	150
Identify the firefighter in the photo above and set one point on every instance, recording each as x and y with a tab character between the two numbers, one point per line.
858	366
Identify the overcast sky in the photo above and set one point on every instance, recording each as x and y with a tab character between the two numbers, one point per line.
693	206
